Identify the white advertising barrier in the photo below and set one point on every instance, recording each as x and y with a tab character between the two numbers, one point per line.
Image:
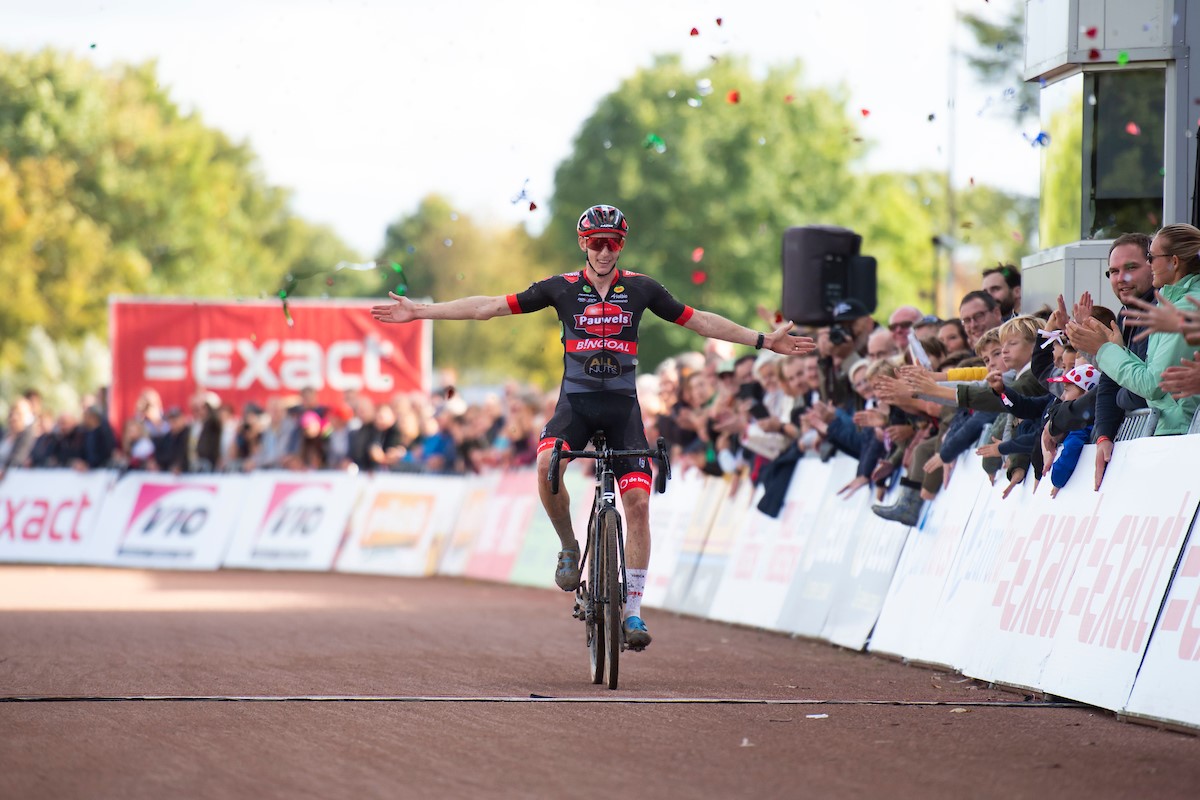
1165	688
712	560
766	553
907	620
473	517
713	493
400	524
811	594
511	508
670	517
874	549
50	516
165	521
1081	578
292	520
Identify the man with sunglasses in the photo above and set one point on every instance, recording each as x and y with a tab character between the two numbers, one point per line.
600	308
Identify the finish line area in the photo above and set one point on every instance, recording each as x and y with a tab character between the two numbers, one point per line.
236	684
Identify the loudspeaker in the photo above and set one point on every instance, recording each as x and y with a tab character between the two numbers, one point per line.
822	266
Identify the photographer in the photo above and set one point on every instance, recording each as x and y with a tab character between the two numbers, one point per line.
840	345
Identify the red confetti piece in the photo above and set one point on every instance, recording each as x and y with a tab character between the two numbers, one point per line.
1017	237
718	22
697	254
1092	31
532	206
1132	129
1093	54
972	181
866	112
778	317
694	32
699	277
733	96
789	98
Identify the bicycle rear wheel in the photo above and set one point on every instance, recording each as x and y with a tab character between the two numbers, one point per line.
610	529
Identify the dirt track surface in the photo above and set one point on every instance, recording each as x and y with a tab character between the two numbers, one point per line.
77	632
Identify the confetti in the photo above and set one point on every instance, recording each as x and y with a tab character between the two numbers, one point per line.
718	22
789	98
695	102
704	87
329	281
448	242
1093	54
655	142
733	97
287	314
1092	31
671	93
697	254
931	117
92	45
1017	236
532	206
523	194
694	32
1132	129
1041	140
866	112
1091	99
699	277
967	225
1123	58
971	181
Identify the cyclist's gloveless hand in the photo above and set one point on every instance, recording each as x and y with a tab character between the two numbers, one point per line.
403	310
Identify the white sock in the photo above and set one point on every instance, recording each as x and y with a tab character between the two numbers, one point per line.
636	585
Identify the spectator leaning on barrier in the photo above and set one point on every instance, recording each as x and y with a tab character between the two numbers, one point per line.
1175	263
19	437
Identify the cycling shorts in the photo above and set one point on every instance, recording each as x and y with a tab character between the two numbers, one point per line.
579	415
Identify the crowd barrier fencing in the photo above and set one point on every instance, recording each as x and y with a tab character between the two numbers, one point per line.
1092	596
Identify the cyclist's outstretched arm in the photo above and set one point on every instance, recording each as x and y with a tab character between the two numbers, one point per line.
714	326
477	307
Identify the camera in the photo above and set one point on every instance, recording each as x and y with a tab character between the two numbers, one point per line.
839	335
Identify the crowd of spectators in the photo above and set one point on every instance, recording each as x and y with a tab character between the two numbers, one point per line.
1023	390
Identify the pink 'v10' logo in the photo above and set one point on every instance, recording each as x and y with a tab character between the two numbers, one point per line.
287	514
163	510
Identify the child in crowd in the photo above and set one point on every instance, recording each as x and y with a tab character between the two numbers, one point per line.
1076	382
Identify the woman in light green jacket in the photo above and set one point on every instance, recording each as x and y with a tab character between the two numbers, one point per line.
1175	261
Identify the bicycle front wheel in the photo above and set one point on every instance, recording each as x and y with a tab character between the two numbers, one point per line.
610	530
596	638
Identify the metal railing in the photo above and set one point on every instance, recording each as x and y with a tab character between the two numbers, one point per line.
1137	424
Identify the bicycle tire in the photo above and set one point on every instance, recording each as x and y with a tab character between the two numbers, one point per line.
595	622
610	529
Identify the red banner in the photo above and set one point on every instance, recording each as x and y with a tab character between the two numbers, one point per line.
246	351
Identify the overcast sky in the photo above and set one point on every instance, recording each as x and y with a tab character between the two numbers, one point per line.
364	107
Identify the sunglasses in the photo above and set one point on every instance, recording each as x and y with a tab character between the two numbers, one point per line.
899	326
596	244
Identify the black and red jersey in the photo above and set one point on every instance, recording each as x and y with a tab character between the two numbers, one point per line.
599	335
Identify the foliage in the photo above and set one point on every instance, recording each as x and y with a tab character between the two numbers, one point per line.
1000	59
445	255
730	178
107	187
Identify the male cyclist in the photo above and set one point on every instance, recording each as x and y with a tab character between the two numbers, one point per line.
600	308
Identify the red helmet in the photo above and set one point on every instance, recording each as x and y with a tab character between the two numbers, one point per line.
602	219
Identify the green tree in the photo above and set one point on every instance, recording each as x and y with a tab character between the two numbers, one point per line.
1000	59
693	169
444	255
106	187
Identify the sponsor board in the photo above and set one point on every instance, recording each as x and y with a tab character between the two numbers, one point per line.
469	523
292	520
50	516
511	510
670	517
909	617
814	586
705	510
710	562
1165	684
400	524
247	351
170	521
1080	579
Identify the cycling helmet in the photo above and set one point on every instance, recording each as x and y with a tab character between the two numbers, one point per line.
602	218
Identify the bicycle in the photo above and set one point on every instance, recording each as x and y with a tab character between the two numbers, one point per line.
600	598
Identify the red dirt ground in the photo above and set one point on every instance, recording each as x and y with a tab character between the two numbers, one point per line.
78	632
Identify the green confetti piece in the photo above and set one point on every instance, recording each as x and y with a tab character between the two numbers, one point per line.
1123	58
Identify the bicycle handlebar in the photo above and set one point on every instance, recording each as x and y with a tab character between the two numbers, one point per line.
605	453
